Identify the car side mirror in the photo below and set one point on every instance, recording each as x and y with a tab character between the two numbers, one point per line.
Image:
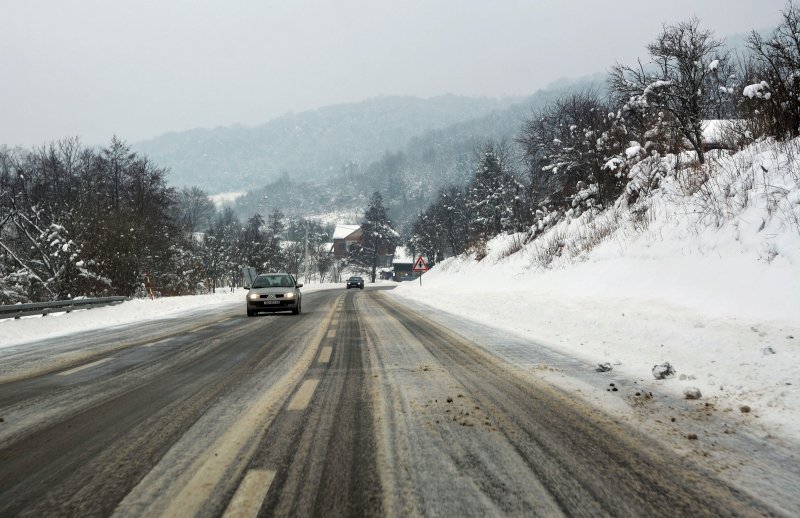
299	285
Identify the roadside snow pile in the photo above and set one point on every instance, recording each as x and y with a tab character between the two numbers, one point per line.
663	371
28	329
701	270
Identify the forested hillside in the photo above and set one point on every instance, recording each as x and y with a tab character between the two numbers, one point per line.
307	145
588	150
408	175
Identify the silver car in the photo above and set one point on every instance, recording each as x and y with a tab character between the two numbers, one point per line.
274	292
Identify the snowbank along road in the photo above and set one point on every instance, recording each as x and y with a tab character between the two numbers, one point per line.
359	406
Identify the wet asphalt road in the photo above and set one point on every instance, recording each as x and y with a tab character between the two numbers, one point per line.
358	406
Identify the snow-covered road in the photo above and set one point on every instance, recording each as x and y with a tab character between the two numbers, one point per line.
360	405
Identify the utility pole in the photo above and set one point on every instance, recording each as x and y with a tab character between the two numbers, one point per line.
305	253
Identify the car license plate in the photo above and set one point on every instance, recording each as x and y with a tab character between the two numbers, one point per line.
271	302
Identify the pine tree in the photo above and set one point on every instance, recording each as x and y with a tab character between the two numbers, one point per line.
378	238
493	196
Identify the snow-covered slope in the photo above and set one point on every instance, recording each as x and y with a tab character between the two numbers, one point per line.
703	272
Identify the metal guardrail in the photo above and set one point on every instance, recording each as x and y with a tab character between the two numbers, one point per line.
57	306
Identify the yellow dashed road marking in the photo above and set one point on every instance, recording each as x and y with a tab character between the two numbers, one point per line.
325	354
220	459
303	396
82	367
151	344
250	495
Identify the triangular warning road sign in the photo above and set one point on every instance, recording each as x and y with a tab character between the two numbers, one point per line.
420	265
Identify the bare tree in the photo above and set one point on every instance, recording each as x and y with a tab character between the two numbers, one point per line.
682	84
774	93
324	264
195	209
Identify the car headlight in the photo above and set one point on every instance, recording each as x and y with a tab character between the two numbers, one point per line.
289	295
254	296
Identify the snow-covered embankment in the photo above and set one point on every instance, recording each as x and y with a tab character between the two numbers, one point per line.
702	272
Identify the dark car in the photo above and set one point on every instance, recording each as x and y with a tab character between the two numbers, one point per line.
355	282
274	292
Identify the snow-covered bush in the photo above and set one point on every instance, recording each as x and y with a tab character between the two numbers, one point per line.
14	285
746	197
756	193
574	150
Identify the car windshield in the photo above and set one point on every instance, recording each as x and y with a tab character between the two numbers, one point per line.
273	281
356	279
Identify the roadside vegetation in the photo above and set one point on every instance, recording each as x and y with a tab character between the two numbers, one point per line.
675	123
81	222
77	221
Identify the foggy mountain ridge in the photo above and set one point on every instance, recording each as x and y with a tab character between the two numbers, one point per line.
409	175
316	144
306	145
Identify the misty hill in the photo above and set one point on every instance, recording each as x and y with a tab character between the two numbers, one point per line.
307	145
410	174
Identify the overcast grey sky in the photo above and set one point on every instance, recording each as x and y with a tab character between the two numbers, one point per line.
137	69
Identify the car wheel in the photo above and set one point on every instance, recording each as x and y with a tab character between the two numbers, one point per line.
296	311
251	313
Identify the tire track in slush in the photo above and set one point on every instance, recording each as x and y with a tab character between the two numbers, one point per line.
90	460
323	453
586	462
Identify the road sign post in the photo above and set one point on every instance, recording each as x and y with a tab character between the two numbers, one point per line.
421	267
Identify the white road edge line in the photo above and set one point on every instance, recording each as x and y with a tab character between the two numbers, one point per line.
250	495
331	333
82	367
303	396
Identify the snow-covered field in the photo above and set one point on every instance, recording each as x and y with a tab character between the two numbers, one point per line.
708	281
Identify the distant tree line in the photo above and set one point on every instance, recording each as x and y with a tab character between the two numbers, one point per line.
75	221
575	154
